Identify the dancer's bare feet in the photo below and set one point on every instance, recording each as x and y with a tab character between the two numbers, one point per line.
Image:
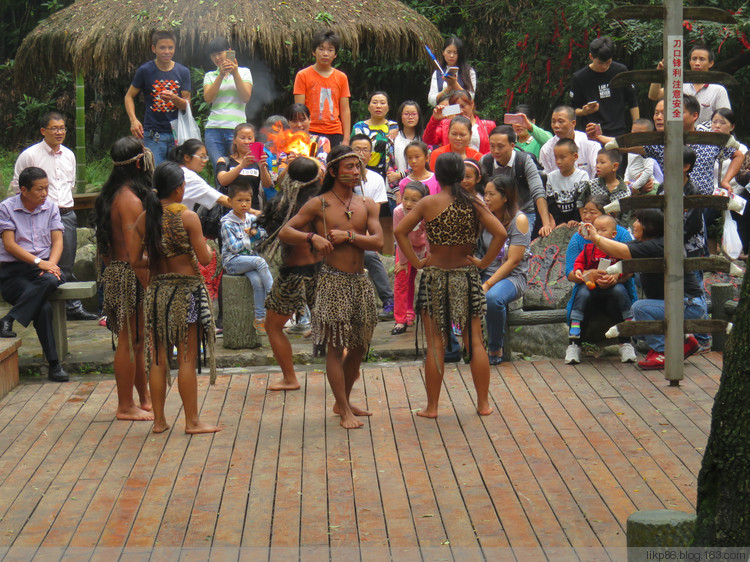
201	427
486	411
350	422
427	413
160	427
134	413
146	405
285	385
355	410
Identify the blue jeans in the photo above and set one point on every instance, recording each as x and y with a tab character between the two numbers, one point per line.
218	144
256	269
651	309
379	276
583	295
159	144
499	296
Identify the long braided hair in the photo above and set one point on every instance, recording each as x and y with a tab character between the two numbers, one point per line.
131	168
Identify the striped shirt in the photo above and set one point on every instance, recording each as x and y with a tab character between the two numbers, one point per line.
227	109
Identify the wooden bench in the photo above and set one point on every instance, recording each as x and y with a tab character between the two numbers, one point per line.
66	291
8	364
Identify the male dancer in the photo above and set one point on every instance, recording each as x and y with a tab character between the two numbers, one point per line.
117	208
345	225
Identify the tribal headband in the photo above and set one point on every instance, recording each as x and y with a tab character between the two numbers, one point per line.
148	160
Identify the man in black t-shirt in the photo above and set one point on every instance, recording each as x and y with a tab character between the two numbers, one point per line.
593	99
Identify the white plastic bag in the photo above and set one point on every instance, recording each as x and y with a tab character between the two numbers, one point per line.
184	127
730	241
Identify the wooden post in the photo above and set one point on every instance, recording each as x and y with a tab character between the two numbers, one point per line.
674	291
80	135
720	294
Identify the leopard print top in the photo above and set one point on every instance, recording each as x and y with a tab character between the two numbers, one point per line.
455	225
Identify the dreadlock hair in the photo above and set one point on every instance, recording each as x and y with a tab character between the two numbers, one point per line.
168	177
337	154
299	185
132	175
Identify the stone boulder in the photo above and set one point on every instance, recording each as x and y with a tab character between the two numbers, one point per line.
548	287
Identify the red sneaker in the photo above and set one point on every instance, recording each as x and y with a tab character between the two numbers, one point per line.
653	360
691	346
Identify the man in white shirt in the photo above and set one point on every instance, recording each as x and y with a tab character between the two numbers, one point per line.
59	163
710	96
373	187
563	125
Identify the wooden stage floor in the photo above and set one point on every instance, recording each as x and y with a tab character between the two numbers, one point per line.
554	473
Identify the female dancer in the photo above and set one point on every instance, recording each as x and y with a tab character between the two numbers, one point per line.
177	310
450	290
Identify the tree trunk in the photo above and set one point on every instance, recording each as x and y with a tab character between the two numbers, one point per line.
724	480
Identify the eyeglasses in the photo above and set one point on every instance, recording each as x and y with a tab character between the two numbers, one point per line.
362	150
410	115
56	129
202	158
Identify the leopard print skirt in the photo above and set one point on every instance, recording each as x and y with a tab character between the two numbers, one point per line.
293	289
344	314
123	297
171	300
451	296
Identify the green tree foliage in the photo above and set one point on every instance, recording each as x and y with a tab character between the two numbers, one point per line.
527	51
18	17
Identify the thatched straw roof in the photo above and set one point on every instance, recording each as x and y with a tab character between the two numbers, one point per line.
110	37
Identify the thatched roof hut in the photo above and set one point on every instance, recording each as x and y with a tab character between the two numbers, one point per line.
110	37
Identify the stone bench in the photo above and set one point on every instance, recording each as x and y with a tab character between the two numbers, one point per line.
66	291
238	306
8	364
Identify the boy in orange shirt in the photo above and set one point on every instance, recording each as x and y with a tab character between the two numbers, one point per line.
325	91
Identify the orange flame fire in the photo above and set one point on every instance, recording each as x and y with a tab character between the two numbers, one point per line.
287	141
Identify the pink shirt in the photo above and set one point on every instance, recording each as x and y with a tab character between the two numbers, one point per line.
432	184
417	237
60	166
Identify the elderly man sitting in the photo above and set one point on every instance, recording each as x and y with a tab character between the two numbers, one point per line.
32	235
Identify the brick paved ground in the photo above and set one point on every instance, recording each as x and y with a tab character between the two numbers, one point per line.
568	455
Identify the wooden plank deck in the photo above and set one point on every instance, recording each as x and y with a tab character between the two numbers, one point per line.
569	454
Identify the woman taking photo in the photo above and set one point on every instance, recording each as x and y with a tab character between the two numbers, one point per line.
454	54
459	137
436	132
450	290
177	308
593	209
242	162
227	89
648	231
504	280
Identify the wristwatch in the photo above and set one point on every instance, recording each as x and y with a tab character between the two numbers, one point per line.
37	261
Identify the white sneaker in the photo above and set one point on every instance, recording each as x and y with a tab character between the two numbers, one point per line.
573	354
627	353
